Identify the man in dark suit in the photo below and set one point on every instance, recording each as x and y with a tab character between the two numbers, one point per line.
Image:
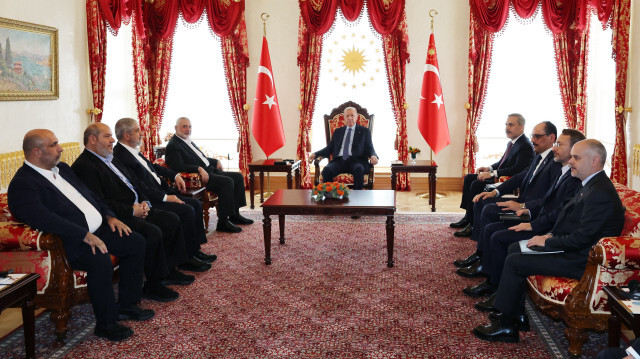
532	183
161	195
516	158
594	212
543	213
632	352
183	155
351	147
111	182
47	195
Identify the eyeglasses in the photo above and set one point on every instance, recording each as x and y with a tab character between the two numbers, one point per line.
537	136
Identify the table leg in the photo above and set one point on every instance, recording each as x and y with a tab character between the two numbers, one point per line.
614	329
261	187
390	233
266	226
393	180
432	190
29	323
251	187
289	180
281	223
298	178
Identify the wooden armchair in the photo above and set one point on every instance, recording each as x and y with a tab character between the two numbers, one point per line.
334	120
196	189
26	250
582	304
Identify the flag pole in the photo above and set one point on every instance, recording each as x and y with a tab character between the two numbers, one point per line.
264	16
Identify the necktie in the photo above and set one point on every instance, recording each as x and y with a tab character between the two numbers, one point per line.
535	167
506	153
347	145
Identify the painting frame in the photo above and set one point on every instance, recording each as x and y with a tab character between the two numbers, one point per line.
41	59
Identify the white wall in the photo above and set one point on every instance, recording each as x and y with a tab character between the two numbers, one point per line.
65	116
633	91
451	31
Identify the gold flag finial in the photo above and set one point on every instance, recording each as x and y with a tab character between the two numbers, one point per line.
264	16
433	14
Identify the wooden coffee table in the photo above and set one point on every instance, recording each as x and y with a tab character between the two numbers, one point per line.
299	201
21	294
620	314
420	166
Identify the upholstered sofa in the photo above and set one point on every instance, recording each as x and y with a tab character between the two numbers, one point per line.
582	304
26	250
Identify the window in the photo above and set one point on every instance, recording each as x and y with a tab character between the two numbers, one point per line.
119	92
523	79
198	90
352	68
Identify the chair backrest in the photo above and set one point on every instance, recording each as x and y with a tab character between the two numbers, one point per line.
335	119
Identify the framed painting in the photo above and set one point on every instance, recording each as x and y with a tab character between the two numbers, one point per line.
28	61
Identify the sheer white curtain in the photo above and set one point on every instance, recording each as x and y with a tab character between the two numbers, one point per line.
119	92
523	80
352	68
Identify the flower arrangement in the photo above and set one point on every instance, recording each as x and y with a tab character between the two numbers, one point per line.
330	190
168	136
414	150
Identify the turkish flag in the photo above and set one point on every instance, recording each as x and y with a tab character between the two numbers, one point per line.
266	123
432	119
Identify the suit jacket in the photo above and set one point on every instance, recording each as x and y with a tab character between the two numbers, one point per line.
594	212
546	211
518	158
180	157
37	202
361	145
533	185
154	191
107	185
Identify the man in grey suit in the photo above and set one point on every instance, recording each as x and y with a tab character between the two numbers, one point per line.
594	212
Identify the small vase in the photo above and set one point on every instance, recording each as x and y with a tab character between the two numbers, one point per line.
413	158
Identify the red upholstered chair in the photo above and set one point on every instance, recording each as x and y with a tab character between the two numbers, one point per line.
582	304
196	189
335	120
26	250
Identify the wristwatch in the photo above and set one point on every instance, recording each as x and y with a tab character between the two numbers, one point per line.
523	206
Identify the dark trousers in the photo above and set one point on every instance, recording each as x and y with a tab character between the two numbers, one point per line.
130	251
470	188
190	214
518	266
485	211
494	245
350	165
229	186
165	246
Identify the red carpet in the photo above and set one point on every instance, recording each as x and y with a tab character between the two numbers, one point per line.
328	294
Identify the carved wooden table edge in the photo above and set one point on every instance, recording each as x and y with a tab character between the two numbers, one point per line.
22	293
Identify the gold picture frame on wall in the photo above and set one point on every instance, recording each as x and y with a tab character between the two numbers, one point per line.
28	61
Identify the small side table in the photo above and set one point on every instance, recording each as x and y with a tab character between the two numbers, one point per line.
620	314
21	294
263	166
421	166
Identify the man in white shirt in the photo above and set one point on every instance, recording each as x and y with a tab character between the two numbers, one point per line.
48	196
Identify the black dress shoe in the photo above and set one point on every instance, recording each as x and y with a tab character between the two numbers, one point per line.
521	321
207	258
472	271
194	265
239	219
115	332
178	278
480	290
355	217
134	312
487	305
500	331
464	232
159	293
224	225
461	223
467	261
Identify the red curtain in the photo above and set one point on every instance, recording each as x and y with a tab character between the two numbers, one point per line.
316	18
571	49
620	21
480	48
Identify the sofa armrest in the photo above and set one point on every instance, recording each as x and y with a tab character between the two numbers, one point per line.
18	237
617	252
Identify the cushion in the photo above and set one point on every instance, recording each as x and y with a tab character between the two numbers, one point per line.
553	289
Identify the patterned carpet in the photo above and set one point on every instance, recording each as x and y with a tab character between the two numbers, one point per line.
328	294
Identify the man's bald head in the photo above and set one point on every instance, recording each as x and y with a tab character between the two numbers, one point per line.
34	139
41	148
